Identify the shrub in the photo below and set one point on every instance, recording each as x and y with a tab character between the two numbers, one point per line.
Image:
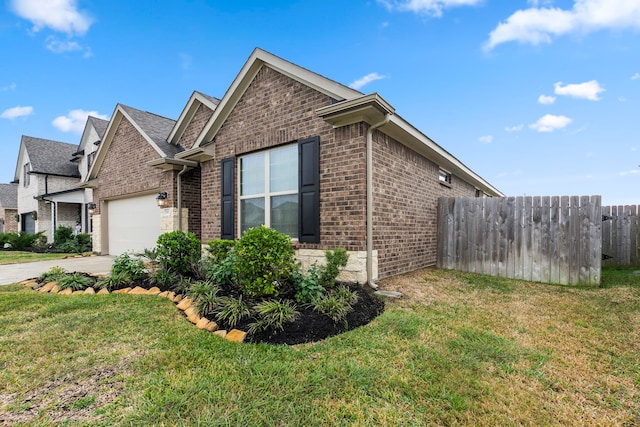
75	281
115	280
4	238
273	314
177	251
335	260
54	274
336	304
164	278
62	235
24	240
223	272
83	241
219	249
133	267
308	288
232	310
264	261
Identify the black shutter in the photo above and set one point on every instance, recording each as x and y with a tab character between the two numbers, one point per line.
309	197
227	215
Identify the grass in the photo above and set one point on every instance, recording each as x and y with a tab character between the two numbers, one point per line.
15	257
458	349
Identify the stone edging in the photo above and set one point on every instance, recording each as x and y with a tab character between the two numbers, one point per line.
185	304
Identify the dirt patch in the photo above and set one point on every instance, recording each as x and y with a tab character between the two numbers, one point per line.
65	399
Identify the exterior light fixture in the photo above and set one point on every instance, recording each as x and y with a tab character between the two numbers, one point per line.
16	218
34	215
161	199
91	208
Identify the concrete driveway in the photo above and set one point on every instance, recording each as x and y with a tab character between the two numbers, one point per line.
12	273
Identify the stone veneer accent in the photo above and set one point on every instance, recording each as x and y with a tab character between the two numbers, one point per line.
96	234
169	220
355	271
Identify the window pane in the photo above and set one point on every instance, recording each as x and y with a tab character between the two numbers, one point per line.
283	169
252	213
252	174
284	214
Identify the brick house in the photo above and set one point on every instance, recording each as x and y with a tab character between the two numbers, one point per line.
288	148
8	208
47	181
135	163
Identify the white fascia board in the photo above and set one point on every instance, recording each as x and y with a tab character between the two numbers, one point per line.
19	161
109	134
187	114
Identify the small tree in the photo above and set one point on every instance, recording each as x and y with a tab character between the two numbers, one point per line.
177	251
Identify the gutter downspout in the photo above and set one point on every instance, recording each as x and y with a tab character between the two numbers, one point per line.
185	168
370	131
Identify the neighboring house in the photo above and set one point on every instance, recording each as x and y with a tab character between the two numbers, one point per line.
8	208
84	156
288	148
48	196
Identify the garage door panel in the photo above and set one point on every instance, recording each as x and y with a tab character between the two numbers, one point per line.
134	224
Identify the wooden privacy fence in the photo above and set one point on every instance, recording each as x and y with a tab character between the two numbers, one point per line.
621	235
541	239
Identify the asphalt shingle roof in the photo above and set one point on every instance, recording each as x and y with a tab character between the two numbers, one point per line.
155	127
99	124
51	157
9	196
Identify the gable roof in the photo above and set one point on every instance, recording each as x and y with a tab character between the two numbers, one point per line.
195	101
100	125
152	127
9	196
95	123
47	157
255	62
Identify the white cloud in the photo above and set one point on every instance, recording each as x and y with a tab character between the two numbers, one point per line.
15	112
629	172
58	15
549	123
363	81
587	90
487	139
57	46
546	100
427	7
12	86
75	120
636	76
538	25
516	128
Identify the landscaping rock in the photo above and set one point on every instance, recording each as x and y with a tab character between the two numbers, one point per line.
31	283
77	292
202	323
47	287
163	294
154	291
177	298
236	335
55	289
67	291
89	291
184	304
138	291
171	295
192	315
221	333
211	326
122	291
103	291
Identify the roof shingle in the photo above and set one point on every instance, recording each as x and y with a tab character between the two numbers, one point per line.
9	196
51	157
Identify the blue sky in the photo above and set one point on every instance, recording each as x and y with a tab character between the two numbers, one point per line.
538	97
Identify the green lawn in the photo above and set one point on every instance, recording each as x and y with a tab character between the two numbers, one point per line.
458	349
15	257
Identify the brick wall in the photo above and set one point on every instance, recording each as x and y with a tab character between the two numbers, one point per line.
406	190
10	224
191	201
200	118
274	110
124	170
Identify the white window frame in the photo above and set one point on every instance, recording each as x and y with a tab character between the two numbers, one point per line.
444	177
266	195
26	175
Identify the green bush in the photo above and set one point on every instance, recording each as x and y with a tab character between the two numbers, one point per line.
336	304
335	260
4	238
75	281
178	251
205	297
231	311
62	235
133	267
220	249
114	281
54	274
22	240
264	261
164	278
320	277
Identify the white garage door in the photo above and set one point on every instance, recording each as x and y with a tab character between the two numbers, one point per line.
134	224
